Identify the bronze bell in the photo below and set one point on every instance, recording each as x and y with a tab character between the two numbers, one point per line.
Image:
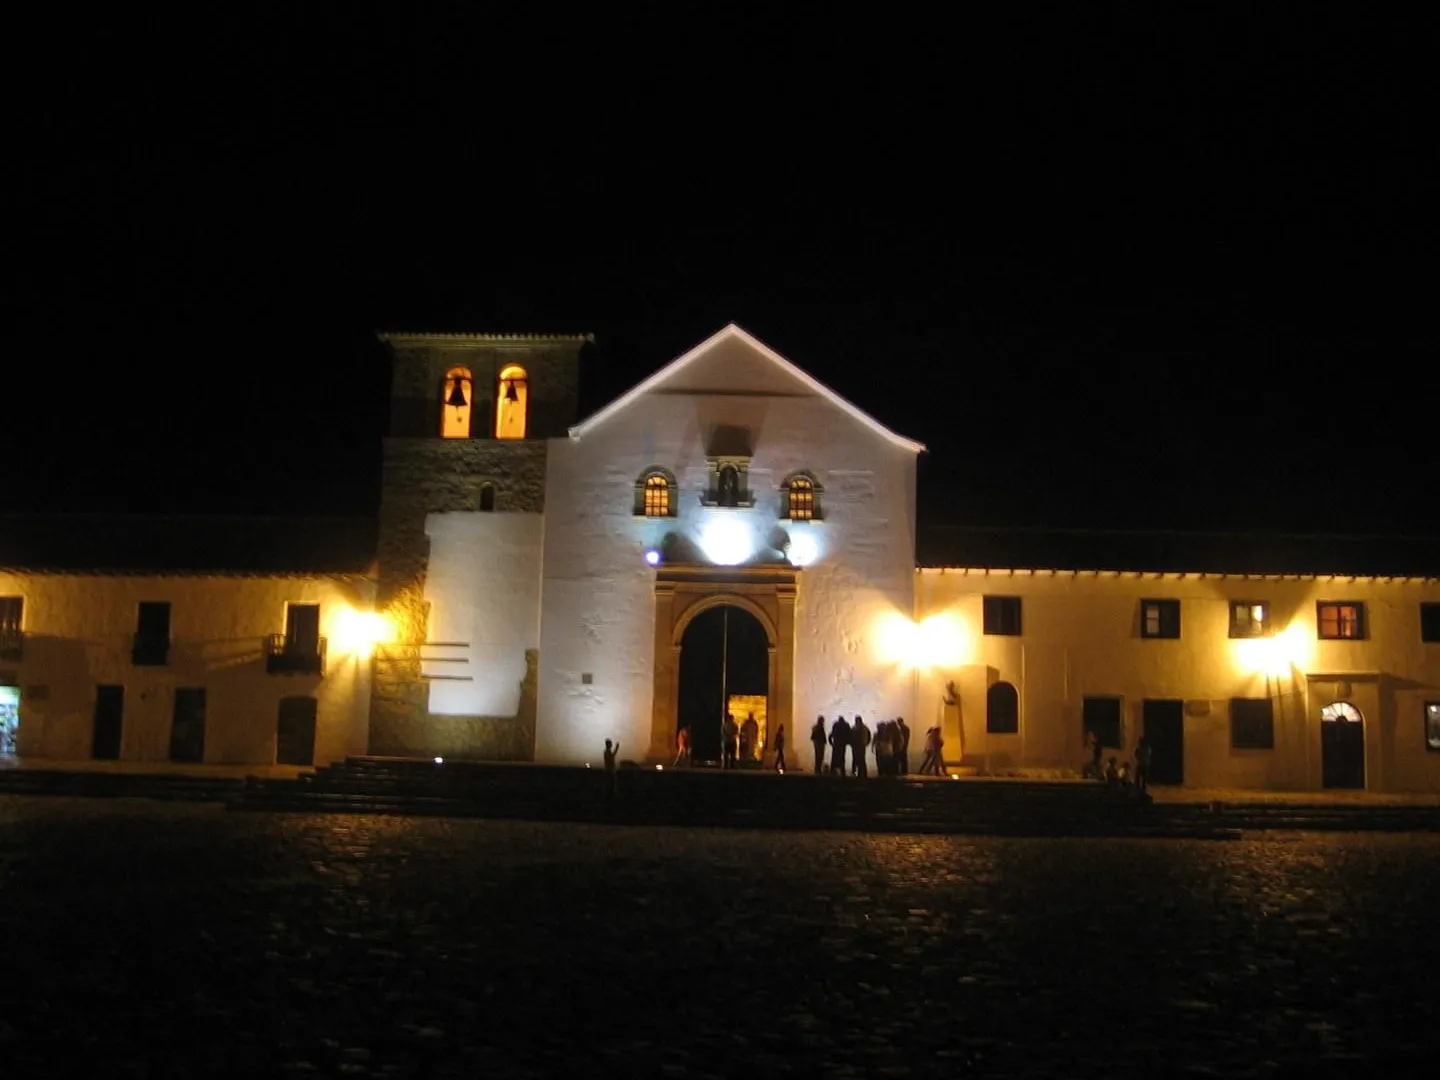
511	394
456	398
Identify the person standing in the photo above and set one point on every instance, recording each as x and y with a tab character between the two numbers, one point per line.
611	751
839	740
859	747
682	748
904	753
780	749
1142	765
818	740
731	737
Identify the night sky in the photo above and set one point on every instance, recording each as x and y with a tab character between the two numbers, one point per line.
1137	269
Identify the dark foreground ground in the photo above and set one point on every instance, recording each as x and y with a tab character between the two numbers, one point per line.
151	939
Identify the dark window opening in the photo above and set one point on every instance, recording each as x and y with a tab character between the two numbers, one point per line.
12	640
1159	618
1252	724
1002	615
1002	709
1430	622
152	634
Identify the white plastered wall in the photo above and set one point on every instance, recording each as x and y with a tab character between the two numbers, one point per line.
483	587
597	626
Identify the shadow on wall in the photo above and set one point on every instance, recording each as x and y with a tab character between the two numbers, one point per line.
402	726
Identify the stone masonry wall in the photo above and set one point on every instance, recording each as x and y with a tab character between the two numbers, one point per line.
424	476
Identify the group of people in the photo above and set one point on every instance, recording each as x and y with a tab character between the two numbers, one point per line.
738	742
1116	773
850	745
889	742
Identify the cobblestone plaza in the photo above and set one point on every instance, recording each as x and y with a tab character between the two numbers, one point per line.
147	939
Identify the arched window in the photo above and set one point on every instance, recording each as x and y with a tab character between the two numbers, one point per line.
1002	710
1342	711
655	494
457	401
487	497
511	402
802	498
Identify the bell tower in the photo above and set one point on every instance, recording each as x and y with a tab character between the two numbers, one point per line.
470	416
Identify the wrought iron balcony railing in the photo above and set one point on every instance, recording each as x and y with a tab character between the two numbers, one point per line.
285	655
12	644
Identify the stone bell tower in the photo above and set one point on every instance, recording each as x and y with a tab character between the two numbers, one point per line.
470	415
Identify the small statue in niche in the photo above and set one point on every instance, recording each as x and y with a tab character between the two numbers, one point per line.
952	696
729	494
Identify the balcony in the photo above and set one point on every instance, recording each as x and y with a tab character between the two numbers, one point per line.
285	655
12	644
146	651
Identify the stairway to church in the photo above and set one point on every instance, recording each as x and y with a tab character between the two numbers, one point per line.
711	798
134	785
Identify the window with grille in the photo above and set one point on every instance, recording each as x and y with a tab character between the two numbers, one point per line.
801	499
1252	723
1340	619
657	497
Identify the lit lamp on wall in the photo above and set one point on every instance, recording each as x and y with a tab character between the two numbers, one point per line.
359	632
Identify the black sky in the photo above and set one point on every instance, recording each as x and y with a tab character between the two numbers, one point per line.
1115	266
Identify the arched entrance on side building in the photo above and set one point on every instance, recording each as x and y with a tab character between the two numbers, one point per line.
1342	746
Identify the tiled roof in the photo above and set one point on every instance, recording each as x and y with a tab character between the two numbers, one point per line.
132	544
1178	552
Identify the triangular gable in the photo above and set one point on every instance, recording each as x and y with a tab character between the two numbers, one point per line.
733	332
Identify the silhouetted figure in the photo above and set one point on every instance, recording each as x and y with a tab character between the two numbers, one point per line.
1112	774
682	748
749	739
1142	765
730	738
818	740
859	747
780	749
839	740
1097	751
933	763
611	776
904	753
884	757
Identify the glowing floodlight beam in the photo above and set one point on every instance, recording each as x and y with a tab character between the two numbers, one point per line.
360	631
726	541
1276	655
652	557
938	642
803	549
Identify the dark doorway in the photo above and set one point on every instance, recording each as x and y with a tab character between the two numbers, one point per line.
187	725
724	653
109	715
1102	716
295	732
302	629
1164	727
1342	746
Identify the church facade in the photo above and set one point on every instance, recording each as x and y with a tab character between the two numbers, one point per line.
731	536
